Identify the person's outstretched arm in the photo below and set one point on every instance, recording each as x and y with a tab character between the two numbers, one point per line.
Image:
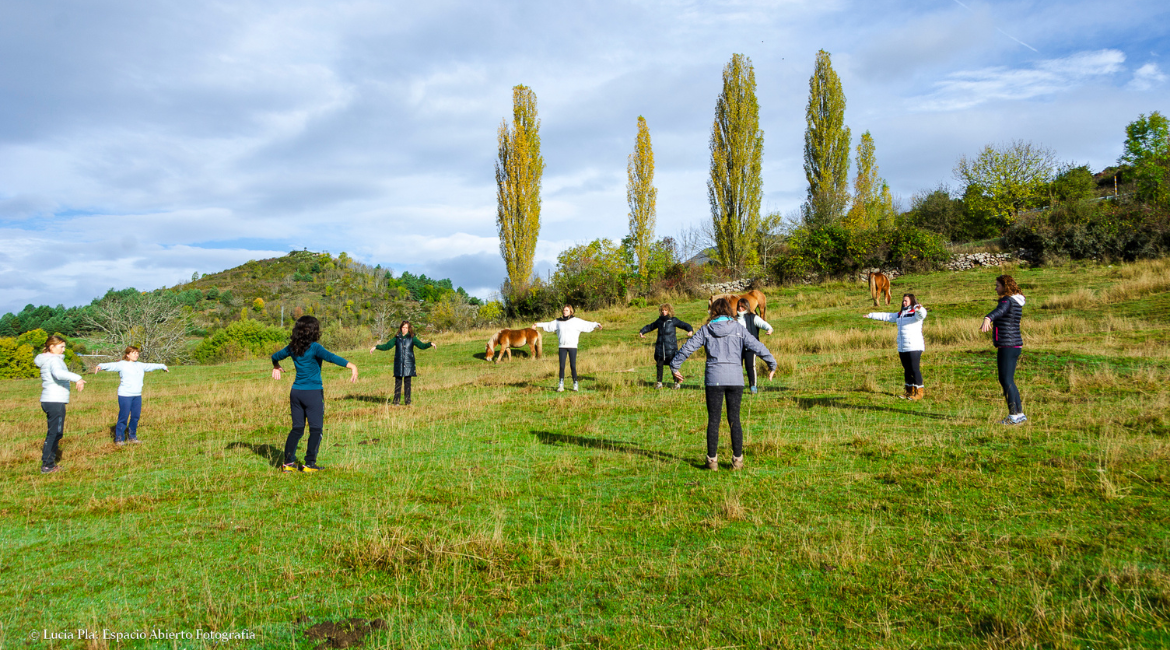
423	346
889	317
649	328
763	324
761	350
695	342
282	353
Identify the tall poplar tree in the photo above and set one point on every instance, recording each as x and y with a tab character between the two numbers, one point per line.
737	148
641	195
872	204
519	169
826	146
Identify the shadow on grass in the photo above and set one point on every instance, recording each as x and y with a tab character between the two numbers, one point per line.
836	402
273	454
550	438
373	399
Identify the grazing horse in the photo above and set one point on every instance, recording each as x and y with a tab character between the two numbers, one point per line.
508	339
754	297
879	284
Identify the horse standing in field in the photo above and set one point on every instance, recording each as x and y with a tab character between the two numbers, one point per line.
879	284
508	339
755	299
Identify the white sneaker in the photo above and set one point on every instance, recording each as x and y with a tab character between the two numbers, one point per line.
561	387
1019	419
575	387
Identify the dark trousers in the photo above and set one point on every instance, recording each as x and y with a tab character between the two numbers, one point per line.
305	405
55	414
749	364
911	367
660	367
129	410
571	353
715	397
1005	362
398	386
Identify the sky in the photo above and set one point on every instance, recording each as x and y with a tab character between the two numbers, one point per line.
142	142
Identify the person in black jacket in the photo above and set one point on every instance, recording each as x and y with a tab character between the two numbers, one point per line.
403	344
1004	322
666	345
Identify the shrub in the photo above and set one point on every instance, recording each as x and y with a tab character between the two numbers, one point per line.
915	249
242	339
592	275
1100	230
536	301
338	337
16	359
453	313
833	250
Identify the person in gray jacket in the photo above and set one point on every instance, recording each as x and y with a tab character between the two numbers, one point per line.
725	341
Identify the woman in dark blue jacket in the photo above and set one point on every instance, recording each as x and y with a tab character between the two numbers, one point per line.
1004	323
307	397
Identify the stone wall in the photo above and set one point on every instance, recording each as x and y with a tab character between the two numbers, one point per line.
731	286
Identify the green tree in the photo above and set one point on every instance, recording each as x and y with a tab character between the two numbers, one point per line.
826	146
1147	150
1012	177
519	169
737	149
641	195
873	206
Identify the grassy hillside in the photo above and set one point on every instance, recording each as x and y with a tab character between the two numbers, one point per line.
497	513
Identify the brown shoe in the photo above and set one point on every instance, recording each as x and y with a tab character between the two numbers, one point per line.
713	463
908	393
736	463
919	393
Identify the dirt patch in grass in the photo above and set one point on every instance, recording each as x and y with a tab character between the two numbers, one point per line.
349	633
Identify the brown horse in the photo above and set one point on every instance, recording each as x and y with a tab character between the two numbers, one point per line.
754	297
508	339
879	284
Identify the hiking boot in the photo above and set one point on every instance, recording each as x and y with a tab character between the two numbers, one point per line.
135	441
289	467
576	387
50	470
917	393
311	467
908	393
736	463
658	386
712	463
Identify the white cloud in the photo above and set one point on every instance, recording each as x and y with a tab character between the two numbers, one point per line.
1147	77
969	88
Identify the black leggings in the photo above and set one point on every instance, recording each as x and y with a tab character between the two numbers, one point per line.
715	396
911	368
305	405
749	364
660	367
572	354
398	385
55	419
1005	362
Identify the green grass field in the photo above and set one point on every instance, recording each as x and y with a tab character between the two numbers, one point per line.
497	513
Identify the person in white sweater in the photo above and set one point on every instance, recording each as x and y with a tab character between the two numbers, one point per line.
55	378
568	328
132	372
910	342
753	324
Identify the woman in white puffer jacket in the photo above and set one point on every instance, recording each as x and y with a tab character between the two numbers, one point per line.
910	342
55	378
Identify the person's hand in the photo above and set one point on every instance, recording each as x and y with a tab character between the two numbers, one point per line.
166	369
80	385
641	335
771	374
372	348
96	370
986	327
599	326
276	373
435	345
535	325
769	332
677	375
691	333
352	372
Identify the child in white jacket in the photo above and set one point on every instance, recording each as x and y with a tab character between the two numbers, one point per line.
910	342
55	378
132	372
568	328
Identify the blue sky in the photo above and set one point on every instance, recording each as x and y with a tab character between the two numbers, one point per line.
141	142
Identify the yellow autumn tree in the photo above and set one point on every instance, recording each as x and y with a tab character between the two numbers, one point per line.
873	206
519	168
641	195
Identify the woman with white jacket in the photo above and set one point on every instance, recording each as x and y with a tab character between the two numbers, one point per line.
55	378
568	328
910	342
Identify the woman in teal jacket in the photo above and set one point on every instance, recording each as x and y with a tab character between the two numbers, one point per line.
403	345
